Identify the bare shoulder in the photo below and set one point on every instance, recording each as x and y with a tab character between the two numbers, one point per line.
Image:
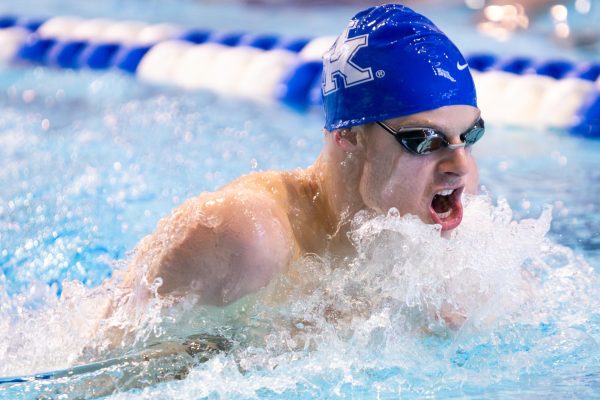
222	245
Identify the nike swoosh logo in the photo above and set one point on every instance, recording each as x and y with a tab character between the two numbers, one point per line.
461	67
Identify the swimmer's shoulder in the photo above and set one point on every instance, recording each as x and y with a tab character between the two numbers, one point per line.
274	189
279	184
258	195
296	196
223	244
285	197
270	183
259	199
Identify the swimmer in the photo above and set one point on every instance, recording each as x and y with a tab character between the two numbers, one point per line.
401	118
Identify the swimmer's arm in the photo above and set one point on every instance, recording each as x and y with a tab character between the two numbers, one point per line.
219	246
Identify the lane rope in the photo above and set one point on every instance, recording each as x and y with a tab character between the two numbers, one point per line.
516	90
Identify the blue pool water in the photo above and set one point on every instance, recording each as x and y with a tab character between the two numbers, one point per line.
91	162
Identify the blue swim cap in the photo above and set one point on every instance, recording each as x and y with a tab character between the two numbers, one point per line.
391	62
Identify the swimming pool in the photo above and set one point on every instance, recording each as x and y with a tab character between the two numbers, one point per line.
92	161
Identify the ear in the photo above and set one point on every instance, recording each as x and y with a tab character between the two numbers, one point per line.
345	139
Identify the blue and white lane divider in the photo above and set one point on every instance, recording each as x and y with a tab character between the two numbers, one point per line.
518	91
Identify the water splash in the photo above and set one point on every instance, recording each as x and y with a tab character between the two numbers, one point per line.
496	308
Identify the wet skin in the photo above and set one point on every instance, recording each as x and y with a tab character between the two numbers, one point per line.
394	178
227	244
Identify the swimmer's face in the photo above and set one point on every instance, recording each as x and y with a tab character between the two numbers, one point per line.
428	186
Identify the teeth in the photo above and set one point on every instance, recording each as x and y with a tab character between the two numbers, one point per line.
445	192
445	215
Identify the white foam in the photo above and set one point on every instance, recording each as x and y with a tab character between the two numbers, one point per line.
46	333
333	320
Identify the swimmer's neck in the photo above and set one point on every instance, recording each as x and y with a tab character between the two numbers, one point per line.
323	202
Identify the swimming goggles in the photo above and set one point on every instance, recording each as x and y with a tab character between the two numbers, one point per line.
422	141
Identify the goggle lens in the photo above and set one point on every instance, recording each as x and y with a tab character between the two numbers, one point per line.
473	135
423	144
422	141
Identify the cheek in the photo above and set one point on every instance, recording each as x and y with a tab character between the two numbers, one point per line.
371	186
472	182
402	191
397	186
375	181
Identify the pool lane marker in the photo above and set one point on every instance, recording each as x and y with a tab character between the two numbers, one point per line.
520	91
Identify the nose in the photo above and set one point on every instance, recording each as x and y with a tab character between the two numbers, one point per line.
455	161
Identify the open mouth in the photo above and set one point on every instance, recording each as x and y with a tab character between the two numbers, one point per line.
446	208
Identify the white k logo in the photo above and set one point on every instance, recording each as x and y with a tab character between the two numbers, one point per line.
338	61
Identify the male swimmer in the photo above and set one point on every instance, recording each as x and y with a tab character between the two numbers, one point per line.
401	117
